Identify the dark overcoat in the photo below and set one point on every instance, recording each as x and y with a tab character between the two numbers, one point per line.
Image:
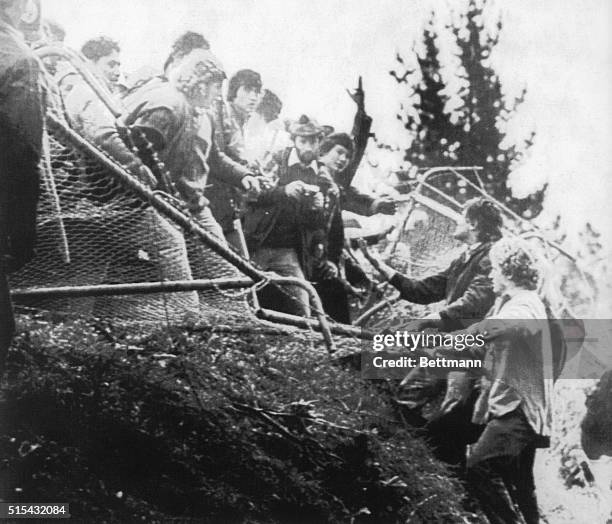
464	285
21	131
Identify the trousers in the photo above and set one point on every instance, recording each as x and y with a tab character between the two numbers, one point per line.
500	470
205	218
450	432
335	300
289	299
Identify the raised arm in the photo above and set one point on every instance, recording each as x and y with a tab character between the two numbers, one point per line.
362	125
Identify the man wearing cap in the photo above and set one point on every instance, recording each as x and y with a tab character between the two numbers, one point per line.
279	226
336	155
21	135
340	154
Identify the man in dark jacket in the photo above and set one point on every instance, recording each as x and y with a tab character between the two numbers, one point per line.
467	292
464	285
341	155
21	129
280	225
336	155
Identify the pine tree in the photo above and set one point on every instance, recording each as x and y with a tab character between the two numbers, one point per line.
432	128
474	137
434	134
485	109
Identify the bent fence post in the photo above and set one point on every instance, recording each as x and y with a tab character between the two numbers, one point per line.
143	288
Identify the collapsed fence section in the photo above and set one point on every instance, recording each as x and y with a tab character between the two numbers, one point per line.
423	244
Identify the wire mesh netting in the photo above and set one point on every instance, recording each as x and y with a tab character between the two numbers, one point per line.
421	246
93	230
425	243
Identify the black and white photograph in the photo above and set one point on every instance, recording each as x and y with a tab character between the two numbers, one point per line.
306	261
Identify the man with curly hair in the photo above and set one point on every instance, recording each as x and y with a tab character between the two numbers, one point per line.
464	285
515	400
84	108
104	55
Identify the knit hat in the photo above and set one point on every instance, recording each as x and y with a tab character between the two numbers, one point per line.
198	67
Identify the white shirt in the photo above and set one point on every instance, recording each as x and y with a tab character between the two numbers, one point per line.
519	364
294	160
264	139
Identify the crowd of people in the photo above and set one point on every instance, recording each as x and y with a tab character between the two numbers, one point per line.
274	192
